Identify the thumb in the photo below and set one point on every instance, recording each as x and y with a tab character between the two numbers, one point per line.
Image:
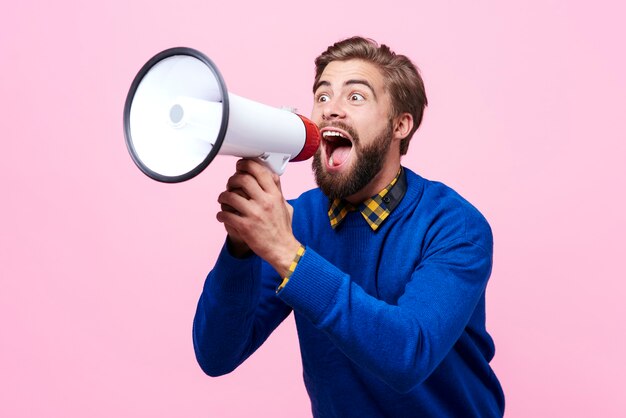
276	179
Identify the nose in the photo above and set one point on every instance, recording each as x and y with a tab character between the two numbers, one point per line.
332	109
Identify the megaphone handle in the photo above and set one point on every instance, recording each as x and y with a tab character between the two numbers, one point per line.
274	161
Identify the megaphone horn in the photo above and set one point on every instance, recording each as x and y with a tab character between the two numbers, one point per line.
179	115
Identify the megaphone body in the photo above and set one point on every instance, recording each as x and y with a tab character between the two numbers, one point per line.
179	115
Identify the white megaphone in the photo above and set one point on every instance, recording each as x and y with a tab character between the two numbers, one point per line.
178	116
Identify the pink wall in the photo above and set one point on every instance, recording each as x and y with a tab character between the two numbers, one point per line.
101	267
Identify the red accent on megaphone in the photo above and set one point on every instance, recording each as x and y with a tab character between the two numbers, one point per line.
311	142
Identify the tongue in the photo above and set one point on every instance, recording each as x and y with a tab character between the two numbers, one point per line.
340	155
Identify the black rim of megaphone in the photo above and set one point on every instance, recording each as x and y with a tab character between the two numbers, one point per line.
131	95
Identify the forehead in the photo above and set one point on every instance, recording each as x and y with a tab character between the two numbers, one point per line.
338	73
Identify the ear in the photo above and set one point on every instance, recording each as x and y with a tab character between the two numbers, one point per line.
403	124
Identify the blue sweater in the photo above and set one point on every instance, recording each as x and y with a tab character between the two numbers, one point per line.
391	323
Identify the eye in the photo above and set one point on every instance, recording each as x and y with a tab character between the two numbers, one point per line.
323	97
356	97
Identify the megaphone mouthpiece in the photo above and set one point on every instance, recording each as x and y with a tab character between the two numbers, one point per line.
312	142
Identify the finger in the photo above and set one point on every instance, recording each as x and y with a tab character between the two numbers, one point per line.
241	193
234	201
262	174
246	184
229	219
226	208
235	226
276	179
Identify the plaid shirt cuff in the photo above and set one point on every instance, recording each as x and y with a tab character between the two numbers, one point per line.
292	267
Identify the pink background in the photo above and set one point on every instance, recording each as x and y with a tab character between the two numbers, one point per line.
101	267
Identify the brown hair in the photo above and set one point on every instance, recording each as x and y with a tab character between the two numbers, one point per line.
402	78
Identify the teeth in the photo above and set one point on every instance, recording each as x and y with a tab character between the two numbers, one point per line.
327	134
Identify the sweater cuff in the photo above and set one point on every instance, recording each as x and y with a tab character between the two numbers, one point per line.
313	286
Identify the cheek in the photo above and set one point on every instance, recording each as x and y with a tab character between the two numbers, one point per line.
316	115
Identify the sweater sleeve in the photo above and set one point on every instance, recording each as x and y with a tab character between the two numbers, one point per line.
403	343
238	309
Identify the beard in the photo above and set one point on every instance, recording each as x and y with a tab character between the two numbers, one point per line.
369	162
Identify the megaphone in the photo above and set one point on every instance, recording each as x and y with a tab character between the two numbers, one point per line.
179	115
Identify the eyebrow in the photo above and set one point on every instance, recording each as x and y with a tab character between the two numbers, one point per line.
347	83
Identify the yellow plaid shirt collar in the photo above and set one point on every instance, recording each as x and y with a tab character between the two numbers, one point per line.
375	209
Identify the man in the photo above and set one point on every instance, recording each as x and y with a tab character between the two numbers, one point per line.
384	270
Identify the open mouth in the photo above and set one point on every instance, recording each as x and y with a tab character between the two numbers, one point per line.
337	146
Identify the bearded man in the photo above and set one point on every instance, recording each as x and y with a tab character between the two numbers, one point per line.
384	270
